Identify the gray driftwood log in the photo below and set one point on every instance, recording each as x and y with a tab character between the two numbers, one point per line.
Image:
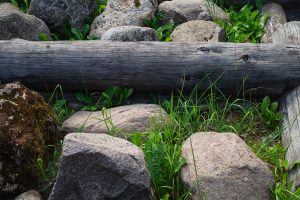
290	107
150	66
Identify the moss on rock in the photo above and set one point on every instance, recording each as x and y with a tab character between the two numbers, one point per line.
27	126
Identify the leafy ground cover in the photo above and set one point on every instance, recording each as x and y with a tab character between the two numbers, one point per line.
245	25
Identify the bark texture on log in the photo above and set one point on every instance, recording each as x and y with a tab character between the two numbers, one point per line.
290	107
150	66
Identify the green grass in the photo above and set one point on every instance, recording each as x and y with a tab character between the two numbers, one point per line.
212	111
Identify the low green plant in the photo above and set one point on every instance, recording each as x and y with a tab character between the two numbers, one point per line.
271	151
43	37
60	104
112	96
21	4
72	33
269	113
49	170
101	5
88	101
163	31
115	96
247	25
163	160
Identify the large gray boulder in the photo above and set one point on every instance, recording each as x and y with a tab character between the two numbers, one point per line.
277	18
120	121
130	34
123	13
182	11
226	168
289	33
54	12
99	166
16	24
198	31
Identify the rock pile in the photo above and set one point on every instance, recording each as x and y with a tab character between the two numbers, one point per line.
123	20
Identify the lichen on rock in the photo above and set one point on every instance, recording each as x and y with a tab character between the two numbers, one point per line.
27	126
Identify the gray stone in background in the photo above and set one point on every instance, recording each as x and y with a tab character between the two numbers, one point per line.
54	12
16	24
130	34
289	33
227	169
125	119
198	31
123	13
276	19
182	11
99	166
29	195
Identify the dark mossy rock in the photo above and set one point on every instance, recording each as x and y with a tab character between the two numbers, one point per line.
27	127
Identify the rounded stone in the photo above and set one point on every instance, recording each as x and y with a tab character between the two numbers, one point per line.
198	31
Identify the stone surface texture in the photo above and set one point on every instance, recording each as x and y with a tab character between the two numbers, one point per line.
27	126
123	119
123	13
289	33
54	12
198	31
187	10
16	24
29	195
130	34
277	18
226	167
99	166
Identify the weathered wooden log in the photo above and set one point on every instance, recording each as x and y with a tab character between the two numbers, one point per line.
290	107
150	66
289	33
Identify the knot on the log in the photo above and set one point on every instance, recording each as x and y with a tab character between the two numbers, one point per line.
246	57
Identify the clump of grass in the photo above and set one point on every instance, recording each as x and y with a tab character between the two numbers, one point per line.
163	31
60	104
212	111
49	170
